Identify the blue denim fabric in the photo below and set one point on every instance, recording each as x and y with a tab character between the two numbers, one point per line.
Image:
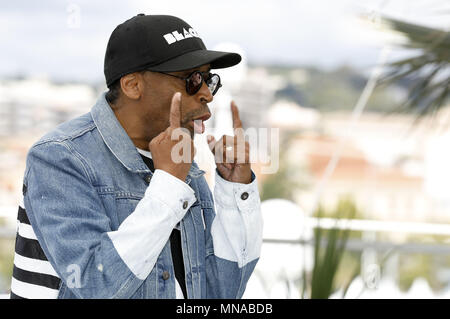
82	180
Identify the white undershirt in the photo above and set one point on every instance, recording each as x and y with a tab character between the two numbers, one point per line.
144	152
178	291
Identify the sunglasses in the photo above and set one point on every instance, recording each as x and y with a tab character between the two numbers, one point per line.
194	81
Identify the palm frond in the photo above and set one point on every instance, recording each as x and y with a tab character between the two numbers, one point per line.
428	71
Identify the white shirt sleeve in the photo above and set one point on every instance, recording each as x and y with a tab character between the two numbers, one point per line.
165	202
238	225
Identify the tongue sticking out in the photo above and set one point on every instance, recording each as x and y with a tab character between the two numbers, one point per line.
199	126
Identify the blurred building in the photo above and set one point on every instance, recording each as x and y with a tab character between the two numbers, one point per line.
386	193
254	95
28	109
384	165
37	105
289	116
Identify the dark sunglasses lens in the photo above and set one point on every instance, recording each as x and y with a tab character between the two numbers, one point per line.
194	83
213	83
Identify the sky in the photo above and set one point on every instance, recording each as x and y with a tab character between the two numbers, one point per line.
66	40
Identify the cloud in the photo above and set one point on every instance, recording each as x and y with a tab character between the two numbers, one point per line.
41	39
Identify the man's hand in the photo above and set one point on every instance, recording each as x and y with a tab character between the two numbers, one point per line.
231	153
173	149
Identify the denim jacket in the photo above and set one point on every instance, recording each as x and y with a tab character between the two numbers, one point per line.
103	219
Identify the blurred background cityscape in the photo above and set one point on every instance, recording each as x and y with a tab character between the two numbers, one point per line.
307	71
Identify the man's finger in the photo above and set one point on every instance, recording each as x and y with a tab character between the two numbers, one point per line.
175	111
235	113
211	143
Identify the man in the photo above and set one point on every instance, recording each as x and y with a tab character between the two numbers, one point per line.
110	210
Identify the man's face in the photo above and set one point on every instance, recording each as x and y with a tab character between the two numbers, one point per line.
158	93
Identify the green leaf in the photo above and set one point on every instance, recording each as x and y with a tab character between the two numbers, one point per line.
429	92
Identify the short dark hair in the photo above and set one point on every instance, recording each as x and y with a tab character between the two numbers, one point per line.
113	93
114	90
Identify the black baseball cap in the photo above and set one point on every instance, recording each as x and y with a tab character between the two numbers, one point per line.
159	43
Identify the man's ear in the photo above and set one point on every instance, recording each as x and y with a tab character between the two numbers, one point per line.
132	85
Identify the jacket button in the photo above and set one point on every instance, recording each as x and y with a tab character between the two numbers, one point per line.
148	178
185	204
244	195
165	275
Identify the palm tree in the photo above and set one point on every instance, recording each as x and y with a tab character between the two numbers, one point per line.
427	73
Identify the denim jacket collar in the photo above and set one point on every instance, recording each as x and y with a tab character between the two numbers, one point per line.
118	141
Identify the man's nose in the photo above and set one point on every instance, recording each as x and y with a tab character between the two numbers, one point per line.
205	94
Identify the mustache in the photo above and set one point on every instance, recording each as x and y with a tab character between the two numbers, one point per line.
193	114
